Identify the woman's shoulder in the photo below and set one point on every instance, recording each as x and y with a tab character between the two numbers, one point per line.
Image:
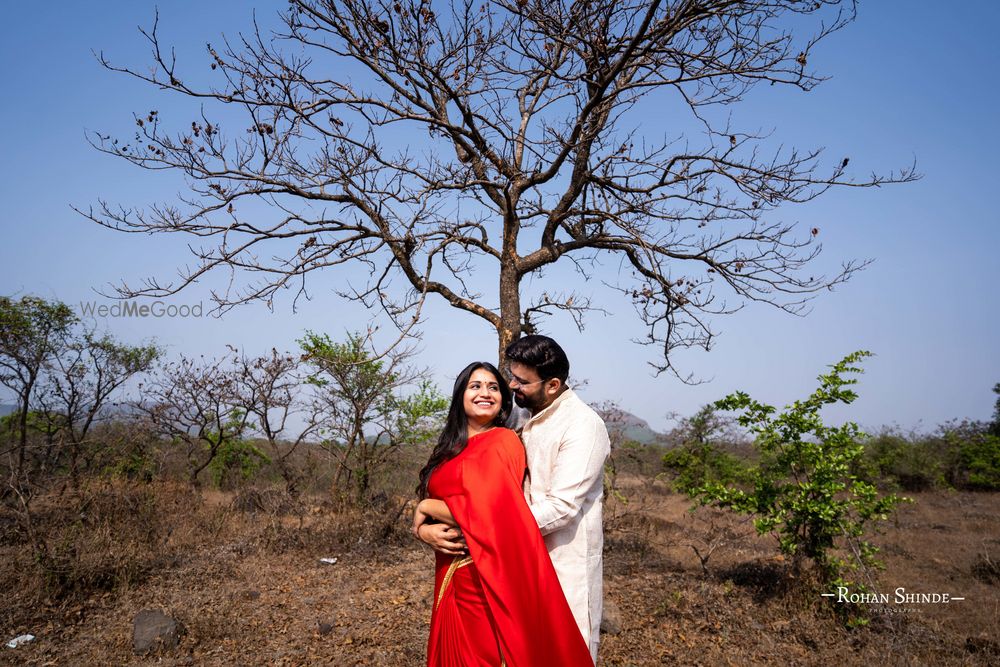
507	436
501	441
508	443
496	433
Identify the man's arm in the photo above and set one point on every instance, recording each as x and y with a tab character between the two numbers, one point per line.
443	536
578	466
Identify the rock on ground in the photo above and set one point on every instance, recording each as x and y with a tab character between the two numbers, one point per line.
153	629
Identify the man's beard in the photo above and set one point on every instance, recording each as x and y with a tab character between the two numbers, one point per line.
531	403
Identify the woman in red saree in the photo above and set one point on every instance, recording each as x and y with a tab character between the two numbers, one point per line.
500	604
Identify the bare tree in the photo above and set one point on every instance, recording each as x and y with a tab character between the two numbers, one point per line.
272	393
195	403
427	139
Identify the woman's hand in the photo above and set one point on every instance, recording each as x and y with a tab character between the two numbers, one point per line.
430	508
420	517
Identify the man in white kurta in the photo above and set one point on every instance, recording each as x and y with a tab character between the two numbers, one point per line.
567	444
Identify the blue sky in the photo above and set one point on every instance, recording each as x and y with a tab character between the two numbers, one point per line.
909	81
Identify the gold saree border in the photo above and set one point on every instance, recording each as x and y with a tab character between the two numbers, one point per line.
456	563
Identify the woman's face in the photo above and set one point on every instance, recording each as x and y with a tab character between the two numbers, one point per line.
482	397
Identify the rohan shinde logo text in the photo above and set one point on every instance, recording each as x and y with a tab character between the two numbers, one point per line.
899	596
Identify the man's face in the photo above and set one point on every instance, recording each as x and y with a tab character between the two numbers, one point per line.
529	390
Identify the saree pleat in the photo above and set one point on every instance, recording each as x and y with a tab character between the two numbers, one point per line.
466	632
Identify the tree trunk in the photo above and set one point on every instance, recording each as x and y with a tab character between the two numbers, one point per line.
196	470
193	478
22	420
509	328
22	444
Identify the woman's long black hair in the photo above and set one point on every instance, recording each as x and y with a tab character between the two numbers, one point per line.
455	434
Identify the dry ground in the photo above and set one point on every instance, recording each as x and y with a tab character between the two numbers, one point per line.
249	588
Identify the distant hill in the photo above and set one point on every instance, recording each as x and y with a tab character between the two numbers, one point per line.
631	427
6	409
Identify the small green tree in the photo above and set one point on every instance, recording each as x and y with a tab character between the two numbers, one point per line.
699	458
78	387
32	330
803	489
366	417
64	377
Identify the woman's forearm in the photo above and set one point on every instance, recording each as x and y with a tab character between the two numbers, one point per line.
437	509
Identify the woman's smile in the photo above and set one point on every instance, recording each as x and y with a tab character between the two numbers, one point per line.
482	399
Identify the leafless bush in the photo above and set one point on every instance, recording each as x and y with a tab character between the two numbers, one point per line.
986	569
194	403
709	532
103	536
255	500
271	390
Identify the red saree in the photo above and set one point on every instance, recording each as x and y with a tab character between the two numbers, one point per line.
501	605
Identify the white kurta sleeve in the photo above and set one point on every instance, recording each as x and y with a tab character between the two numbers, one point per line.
577	469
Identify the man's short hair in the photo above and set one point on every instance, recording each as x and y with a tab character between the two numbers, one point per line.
542	353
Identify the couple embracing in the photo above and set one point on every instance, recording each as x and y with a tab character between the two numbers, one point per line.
516	527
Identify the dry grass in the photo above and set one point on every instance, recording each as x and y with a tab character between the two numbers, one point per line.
691	589
745	609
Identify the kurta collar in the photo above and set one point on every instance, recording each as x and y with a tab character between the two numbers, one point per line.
544	414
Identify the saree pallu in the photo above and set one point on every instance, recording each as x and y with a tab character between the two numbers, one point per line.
502	605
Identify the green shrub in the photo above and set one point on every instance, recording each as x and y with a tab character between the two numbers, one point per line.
980	459
979	453
970	454
134	464
694	467
910	463
700	457
960	455
803	488
236	459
